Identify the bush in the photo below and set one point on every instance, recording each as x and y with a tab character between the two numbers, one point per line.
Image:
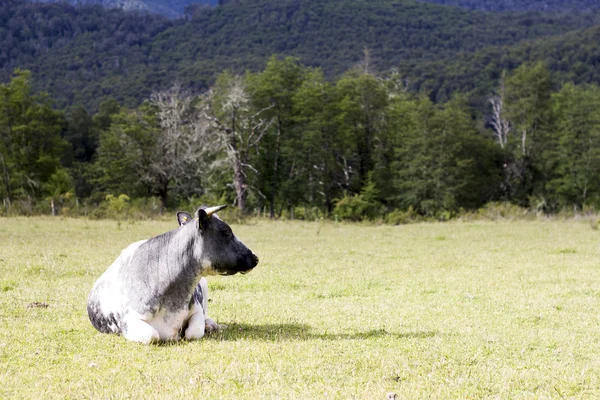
350	208
399	217
495	211
361	206
118	207
308	213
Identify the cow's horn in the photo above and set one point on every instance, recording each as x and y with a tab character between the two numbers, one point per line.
211	210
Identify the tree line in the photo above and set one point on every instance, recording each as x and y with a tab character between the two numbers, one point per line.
288	142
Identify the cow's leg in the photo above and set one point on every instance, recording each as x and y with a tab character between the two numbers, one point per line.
196	328
138	330
209	323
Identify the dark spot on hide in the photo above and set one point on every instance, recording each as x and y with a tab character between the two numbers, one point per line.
100	321
197	297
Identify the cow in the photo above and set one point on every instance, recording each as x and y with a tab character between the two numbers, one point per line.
155	291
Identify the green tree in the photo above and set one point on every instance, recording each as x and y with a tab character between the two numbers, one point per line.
274	89
58	188
574	158
322	148
82	134
443	162
363	100
31	146
528	108
362	206
124	152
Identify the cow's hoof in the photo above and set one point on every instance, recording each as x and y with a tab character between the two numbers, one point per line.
211	326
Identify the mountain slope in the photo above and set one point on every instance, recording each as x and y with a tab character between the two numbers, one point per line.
573	57
83	54
520	5
168	8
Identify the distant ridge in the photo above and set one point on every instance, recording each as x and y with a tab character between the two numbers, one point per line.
520	5
168	8
83	54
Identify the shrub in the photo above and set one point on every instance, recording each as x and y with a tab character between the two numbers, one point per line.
118	207
350	208
308	213
504	210
361	206
399	217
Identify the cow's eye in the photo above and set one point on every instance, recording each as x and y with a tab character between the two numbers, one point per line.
227	232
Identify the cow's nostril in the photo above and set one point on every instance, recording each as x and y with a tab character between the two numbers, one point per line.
255	258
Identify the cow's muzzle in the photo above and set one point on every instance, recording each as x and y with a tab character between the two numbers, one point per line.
253	263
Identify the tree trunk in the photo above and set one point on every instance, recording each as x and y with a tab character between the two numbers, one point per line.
163	196
53	207
239	175
5	177
275	169
239	183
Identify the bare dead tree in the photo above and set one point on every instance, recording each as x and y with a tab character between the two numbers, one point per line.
183	145
499	124
365	64
237	130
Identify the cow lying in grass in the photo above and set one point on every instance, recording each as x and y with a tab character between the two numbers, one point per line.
155	290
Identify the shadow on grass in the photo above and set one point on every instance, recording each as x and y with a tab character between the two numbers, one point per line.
282	332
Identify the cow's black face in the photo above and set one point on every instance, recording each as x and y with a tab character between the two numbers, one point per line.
222	252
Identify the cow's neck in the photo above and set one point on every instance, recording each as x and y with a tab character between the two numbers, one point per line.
170	264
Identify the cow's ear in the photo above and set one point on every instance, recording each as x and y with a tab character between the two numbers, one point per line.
183	218
202	219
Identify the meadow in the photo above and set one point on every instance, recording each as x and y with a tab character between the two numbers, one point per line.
343	311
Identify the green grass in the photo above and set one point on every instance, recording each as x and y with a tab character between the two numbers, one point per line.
455	310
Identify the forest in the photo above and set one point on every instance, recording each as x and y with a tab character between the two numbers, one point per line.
520	5
84	55
353	110
287	142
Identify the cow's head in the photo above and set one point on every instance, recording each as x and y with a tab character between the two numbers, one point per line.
222	252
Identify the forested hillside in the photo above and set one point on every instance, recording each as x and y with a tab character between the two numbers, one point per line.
81	55
573	57
520	5
393	110
168	8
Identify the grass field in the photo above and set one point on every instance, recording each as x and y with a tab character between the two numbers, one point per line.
455	310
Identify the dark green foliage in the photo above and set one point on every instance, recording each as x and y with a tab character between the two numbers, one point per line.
274	90
572	57
82	55
363	206
82	134
573	154
323	147
520	5
31	146
335	137
124	148
442	163
362	101
168	8
357	149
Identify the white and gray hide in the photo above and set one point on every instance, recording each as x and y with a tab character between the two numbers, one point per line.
156	291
